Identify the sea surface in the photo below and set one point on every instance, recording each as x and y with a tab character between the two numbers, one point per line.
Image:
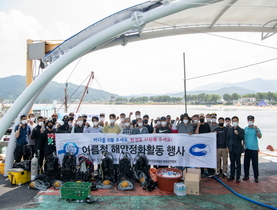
265	118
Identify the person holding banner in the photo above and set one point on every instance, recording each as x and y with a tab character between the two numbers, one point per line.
128	128
95	128
79	128
111	127
164	127
184	126
140	129
235	137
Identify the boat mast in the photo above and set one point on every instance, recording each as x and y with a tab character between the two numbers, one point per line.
85	90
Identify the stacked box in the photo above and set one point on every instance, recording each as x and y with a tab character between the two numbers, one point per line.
192	178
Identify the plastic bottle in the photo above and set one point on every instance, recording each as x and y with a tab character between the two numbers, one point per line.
34	167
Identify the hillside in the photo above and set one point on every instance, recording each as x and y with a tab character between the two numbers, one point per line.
53	91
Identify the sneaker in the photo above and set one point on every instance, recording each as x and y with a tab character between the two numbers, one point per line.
256	180
217	174
224	175
245	178
230	178
212	175
237	179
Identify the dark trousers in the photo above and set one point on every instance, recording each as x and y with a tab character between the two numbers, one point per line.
22	150
253	156
235	164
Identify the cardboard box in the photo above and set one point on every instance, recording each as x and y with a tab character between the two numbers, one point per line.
192	179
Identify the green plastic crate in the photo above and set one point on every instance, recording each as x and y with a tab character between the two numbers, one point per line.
75	190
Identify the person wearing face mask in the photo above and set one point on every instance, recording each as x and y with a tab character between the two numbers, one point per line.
137	115
122	117
128	128
221	145
95	128
228	122
208	119
163	128
235	138
202	126
65	128
48	138
157	124
22	134
85	122
194	122
213	124
102	120
55	120
32	125
140	129
111	127
39	146
184	126
71	119
79	127
145	123
251	135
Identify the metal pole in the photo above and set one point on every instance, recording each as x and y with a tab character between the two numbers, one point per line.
65	97
185	83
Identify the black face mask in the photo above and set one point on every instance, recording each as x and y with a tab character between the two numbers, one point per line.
84	120
71	118
50	126
220	124
145	121
54	120
201	120
65	122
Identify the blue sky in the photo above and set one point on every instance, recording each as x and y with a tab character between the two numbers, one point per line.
153	66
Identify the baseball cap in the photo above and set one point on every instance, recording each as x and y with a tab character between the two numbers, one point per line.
201	115
158	118
168	116
163	118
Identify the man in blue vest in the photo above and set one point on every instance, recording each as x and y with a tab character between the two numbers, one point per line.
22	134
251	135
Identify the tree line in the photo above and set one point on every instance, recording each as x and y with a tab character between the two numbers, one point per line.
201	98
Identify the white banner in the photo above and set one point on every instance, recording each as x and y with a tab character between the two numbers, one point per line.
198	150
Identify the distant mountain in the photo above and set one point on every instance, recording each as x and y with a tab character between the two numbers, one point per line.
11	87
221	91
258	85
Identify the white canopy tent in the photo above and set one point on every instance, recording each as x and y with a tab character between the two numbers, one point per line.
148	20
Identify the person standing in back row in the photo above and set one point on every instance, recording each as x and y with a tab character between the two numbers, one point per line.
235	138
251	135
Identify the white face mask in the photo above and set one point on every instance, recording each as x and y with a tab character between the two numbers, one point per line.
112	120
95	123
40	123
102	119
250	123
235	124
213	120
32	119
139	124
24	122
158	122
195	121
185	121
80	122
163	123
127	124
208	119
138	116
122	119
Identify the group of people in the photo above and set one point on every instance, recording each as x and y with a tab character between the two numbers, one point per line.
38	134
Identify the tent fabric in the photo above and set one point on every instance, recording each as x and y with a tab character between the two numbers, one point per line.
214	16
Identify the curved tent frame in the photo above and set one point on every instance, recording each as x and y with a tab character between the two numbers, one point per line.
152	19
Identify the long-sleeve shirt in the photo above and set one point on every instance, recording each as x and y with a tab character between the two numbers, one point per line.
93	129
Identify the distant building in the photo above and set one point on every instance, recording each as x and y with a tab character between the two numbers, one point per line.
248	101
